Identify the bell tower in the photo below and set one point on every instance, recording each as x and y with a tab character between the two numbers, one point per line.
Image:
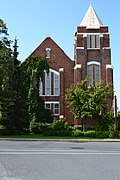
92	52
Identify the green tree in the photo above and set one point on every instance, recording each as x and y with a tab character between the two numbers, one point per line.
88	102
7	95
17	122
19	88
12	108
33	71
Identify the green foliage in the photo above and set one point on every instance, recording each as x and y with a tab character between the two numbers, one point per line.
77	133
59	128
87	102
90	134
8	94
104	122
60	125
56	128
38	127
96	134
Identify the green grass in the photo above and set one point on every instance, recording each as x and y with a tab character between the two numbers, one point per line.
40	136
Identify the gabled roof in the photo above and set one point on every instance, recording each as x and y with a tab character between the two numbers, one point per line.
91	20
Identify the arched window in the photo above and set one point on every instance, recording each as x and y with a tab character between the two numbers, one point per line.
93	72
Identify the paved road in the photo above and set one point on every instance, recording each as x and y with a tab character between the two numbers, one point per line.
46	160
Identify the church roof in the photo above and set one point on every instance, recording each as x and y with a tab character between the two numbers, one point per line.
91	20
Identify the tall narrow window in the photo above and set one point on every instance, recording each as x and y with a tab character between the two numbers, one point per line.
48	84
48	52
56	85
56	108
97	41
93	72
93	41
40	88
88	41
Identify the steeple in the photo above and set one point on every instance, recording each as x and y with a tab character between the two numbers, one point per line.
91	20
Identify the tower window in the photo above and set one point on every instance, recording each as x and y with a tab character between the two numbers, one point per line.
93	41
48	52
93	72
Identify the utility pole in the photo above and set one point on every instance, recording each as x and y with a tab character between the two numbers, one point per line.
115	116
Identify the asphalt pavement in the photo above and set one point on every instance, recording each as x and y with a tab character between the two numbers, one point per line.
56	160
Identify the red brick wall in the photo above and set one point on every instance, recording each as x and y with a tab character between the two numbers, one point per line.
58	59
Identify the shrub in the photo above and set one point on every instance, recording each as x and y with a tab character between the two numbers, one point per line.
60	125
77	133
38	127
59	128
96	134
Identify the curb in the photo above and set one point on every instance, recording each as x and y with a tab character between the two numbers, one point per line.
61	140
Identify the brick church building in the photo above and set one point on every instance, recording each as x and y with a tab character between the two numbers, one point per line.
92	58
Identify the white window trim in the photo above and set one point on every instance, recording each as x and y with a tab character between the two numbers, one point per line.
78	66
53	71
91	33
79	47
109	66
51	102
93	62
93	48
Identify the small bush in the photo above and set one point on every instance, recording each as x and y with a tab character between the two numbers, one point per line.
77	133
59	128
38	127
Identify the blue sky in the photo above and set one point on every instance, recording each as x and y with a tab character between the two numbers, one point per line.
32	20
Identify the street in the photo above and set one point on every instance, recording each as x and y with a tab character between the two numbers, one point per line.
48	160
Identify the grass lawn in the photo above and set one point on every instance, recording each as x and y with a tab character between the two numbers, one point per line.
40	136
